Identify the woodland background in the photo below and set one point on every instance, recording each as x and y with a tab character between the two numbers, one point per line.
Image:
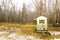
50	9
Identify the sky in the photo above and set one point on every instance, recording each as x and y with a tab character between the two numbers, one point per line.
28	3
19	4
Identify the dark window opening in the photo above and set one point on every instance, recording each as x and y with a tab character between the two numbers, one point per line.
41	21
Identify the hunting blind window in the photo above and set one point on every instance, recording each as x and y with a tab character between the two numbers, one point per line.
41	21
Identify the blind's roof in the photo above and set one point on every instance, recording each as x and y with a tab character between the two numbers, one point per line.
40	17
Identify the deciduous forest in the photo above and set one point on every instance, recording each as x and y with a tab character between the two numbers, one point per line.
48	8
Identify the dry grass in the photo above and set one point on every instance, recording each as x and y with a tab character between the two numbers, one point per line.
54	28
57	36
26	29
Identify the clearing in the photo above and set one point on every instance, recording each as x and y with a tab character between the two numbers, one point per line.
17	31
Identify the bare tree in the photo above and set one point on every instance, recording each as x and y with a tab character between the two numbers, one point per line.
24	14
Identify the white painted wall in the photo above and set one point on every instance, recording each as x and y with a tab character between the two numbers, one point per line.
39	25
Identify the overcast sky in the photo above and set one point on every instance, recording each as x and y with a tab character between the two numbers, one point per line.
29	4
19	4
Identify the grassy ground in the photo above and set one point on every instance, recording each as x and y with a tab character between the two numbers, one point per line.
27	29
